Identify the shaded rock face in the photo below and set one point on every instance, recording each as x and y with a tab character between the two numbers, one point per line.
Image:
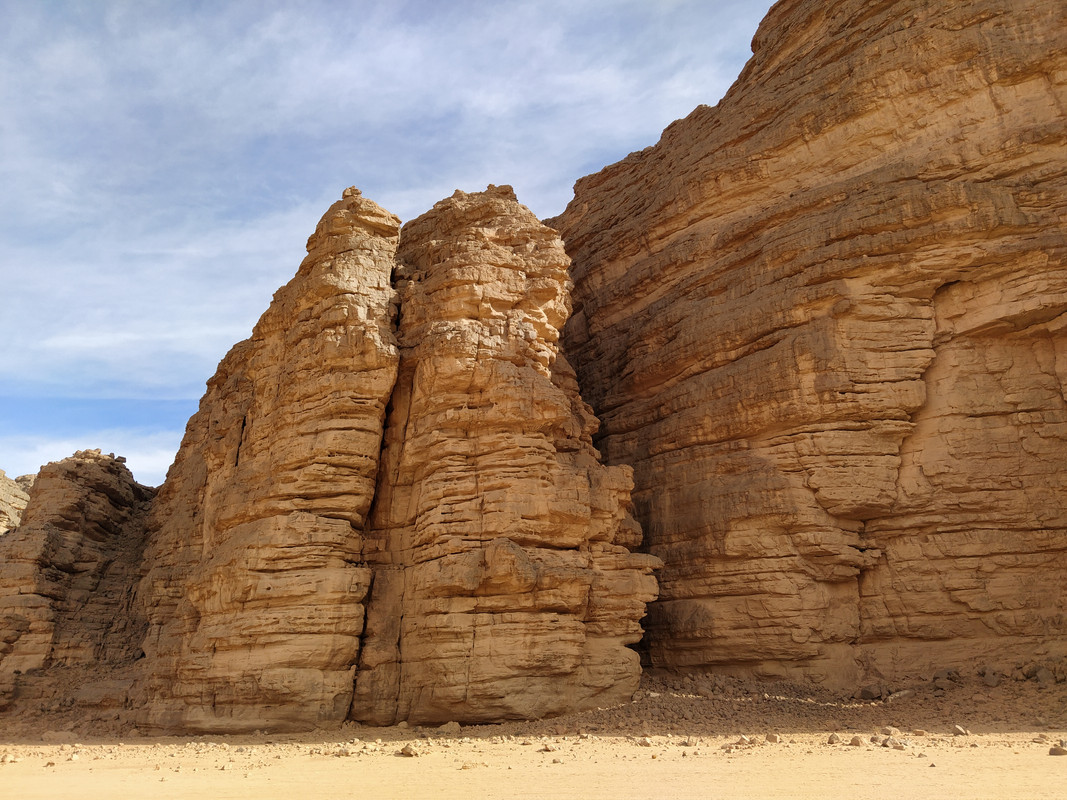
503	583
495	542
13	499
824	322
69	570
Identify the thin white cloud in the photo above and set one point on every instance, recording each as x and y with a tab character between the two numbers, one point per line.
148	453
164	163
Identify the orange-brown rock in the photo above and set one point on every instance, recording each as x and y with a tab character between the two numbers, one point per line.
503	583
255	582
825	323
495	541
13	499
68	573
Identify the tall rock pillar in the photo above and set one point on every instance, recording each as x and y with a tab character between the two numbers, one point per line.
503	583
255	579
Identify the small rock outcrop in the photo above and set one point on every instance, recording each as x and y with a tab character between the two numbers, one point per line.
13	499
826	323
503	583
68	575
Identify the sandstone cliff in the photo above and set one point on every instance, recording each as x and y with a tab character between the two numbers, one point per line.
823	325
495	542
256	583
824	322
13	500
503	585
67	575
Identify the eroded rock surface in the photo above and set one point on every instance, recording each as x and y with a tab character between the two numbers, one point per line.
503	583
824	321
256	584
495	541
13	498
68	575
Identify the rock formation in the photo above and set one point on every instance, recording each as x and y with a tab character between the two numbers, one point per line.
13	500
503	585
256	579
824	322
823	325
66	596
496	545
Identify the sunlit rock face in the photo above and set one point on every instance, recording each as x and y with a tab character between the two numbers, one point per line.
13	499
255	581
503	583
495	542
824	322
822	325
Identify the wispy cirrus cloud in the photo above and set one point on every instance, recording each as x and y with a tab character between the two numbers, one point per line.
163	163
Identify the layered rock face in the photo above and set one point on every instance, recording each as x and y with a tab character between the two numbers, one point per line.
503	586
824	321
495	542
13	499
255	583
69	569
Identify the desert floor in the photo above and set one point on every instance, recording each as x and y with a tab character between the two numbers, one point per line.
679	738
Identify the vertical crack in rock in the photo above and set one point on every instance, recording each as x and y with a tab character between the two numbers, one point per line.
254	587
981	483
754	315
507	589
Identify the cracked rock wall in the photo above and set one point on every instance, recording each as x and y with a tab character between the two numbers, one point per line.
255	583
503	583
824	322
482	573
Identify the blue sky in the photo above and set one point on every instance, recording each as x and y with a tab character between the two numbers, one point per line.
163	164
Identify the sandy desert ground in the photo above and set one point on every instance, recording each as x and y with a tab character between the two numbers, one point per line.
679	738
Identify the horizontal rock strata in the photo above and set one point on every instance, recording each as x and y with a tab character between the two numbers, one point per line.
504	587
495	542
824	321
255	586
